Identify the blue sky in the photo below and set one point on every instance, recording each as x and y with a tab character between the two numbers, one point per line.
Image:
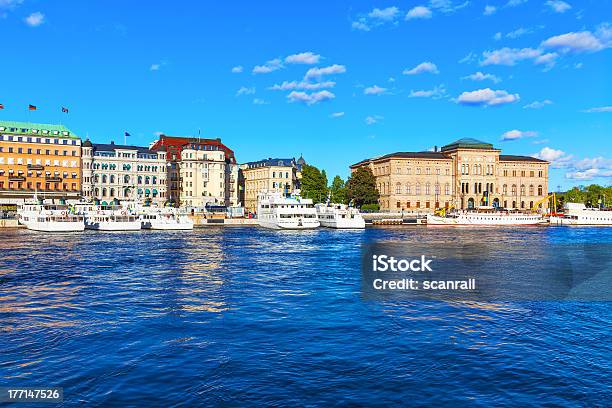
361	78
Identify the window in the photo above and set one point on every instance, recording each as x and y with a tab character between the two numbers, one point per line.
398	189
408	189
540	190
505	189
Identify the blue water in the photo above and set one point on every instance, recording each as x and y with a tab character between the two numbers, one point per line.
248	317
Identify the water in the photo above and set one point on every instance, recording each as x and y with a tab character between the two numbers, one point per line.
248	317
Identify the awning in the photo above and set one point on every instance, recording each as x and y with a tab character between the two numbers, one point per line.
154	191
140	191
104	203
147	191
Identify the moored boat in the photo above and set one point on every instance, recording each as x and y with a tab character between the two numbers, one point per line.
340	216
279	211
486	216
165	219
50	218
579	214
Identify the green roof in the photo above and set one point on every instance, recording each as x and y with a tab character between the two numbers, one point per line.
17	128
467	143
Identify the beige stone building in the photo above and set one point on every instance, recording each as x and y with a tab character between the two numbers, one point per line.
207	176
465	174
273	175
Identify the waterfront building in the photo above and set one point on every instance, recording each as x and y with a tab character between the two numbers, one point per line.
118	172
465	174
40	158
207	176
174	146
271	175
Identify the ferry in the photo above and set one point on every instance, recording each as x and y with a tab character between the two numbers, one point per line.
164	219
50	218
339	216
278	211
108	218
485	216
579	214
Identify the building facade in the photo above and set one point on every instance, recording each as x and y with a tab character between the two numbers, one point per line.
272	175
207	176
38	158
173	145
465	174
117	172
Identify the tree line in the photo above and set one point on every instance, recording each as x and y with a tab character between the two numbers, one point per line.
359	190
592	195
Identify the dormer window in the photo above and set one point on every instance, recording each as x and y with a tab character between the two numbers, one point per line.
55	132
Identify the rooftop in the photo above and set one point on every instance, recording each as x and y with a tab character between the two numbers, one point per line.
111	147
29	129
272	162
506	157
467	143
407	155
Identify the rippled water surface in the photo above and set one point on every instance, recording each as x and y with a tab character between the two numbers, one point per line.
243	316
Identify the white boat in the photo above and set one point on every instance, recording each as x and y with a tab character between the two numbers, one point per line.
165	219
279	211
50	218
579	214
108	218
339	216
485	216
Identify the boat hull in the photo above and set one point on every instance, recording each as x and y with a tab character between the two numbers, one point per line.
56	226
486	221
343	224
290	225
583	222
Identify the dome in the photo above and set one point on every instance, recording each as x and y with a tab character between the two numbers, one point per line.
87	143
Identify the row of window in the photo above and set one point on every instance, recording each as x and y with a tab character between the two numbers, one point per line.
489	169
38	162
112	193
39	173
20	185
12	138
46	152
380	171
126	179
383	188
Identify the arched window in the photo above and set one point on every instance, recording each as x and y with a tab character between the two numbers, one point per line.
531	190
96	191
505	189
437	188
398	188
447	189
139	179
408	189
540	192
147	179
126	179
154	179
112	192
522	190
104	178
427	187
104	192
112	179
513	192
417	189
96	179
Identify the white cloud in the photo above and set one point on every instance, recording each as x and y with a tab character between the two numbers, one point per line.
595	162
589	174
418	12
488	10
423	67
387	14
487	97
336	115
481	76
556	158
258	101
509	56
519	32
447	6
370	120
289	86
558	6
599	109
361	25
312	98
245	91
517	134
330	70
154	67
436	93
589	168
270	66
497	36
514	3
468	59
308	58
35	19
237	69
583	41
374	90
538	104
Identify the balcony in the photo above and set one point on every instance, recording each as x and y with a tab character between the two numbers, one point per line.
36	167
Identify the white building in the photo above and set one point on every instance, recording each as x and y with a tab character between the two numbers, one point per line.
207	176
117	172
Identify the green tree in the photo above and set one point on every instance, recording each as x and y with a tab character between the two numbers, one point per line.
314	183
338	190
361	187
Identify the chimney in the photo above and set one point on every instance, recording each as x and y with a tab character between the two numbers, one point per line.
112	142
435	148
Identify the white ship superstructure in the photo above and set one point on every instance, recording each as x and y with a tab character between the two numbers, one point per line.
278	211
50	218
166	218
109	218
339	216
579	214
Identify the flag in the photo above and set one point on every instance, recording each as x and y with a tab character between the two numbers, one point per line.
31	107
1	106
65	110
127	134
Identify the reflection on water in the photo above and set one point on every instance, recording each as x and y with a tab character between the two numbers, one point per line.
230	316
